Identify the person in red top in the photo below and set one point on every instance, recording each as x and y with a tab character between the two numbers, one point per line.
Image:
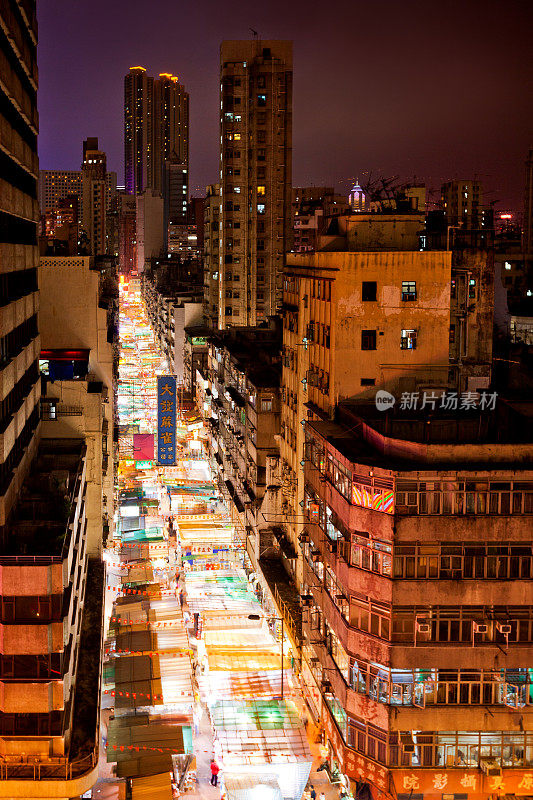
214	772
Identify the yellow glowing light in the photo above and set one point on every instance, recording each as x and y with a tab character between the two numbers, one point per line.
143	68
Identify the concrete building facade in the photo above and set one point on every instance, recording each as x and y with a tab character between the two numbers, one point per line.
19	255
417	596
77	359
255	181
404	321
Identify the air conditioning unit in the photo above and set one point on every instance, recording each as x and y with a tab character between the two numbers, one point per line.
504	628
481	627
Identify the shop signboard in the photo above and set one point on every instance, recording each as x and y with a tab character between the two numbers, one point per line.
166	420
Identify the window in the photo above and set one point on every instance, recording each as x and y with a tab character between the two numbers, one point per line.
408	290
472	289
261	99
261	208
236	137
368	340
368	381
261	154
369	291
266	404
408	340
261	190
452	334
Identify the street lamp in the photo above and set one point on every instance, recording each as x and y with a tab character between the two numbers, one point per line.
277	619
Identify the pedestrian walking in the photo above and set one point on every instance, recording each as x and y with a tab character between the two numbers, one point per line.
182	599
313	792
214	772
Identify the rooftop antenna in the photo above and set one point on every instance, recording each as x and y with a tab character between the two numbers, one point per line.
254	33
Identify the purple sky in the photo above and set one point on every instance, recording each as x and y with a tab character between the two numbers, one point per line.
433	89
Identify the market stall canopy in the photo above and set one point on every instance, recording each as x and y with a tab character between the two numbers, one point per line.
259	715
137	682
235	638
245	787
244	685
140	573
238	661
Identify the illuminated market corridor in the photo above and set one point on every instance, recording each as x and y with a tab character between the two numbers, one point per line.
193	650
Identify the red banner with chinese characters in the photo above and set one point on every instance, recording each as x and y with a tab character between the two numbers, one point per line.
463	781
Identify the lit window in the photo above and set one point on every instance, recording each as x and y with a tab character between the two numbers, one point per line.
261	99
408	290
261	208
261	190
408	340
237	189
237	136
507	265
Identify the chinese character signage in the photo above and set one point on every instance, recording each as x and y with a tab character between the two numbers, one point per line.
166	420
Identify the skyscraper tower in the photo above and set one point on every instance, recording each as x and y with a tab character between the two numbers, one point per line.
97	195
19	255
138	130
255	178
156	128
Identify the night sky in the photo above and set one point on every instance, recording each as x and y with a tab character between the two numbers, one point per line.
436	90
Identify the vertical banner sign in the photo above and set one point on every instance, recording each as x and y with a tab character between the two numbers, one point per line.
166	420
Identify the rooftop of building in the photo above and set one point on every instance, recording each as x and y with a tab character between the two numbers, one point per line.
198	331
39	523
410	440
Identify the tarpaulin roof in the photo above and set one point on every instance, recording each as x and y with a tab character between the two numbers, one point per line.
251	747
157	787
261	715
239	638
244	685
239	661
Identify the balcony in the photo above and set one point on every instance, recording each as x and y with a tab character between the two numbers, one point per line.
40	532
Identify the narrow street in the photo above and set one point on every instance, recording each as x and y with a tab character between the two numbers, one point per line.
195	668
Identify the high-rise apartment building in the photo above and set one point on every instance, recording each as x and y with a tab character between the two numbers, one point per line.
156	128
212	239
94	196
127	233
255	179
51	593
19	215
462	203
56	185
